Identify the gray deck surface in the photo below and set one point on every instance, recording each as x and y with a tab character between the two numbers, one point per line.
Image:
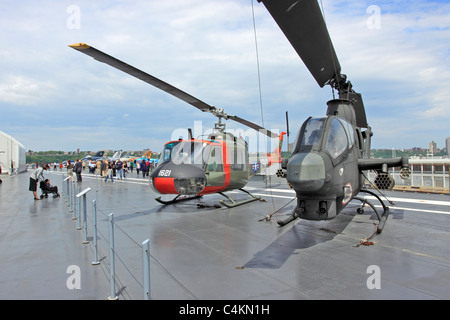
219	253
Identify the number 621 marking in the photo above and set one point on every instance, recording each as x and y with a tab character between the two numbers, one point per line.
165	173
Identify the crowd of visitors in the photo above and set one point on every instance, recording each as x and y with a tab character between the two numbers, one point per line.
119	167
119	170
104	168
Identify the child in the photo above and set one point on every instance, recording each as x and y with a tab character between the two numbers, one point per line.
110	172
49	188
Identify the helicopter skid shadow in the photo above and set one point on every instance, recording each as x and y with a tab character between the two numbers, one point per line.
176	208
136	214
304	234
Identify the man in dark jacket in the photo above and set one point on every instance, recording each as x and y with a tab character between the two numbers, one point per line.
78	167
143	168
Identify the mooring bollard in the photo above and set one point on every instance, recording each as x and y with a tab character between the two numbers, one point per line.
79	195
146	268
112	271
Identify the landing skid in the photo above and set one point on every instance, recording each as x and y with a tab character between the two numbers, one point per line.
297	212
176	199
234	203
231	204
381	218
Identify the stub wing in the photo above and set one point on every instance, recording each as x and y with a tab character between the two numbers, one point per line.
377	164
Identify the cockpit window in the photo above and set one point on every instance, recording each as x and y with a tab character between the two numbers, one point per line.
313	132
350	133
167	152
337	141
190	152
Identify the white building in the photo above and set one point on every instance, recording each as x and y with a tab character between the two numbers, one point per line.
12	154
430	171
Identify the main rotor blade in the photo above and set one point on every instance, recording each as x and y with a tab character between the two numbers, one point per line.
253	126
304	27
105	58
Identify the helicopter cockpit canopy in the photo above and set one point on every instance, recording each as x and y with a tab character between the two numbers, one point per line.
167	152
312	134
337	141
331	134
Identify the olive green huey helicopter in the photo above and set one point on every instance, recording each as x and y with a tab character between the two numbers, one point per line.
331	153
193	167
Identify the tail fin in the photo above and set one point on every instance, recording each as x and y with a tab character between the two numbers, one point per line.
275	156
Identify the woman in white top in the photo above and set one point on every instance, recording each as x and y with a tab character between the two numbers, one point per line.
34	179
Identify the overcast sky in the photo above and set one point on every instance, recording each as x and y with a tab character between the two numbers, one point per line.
396	53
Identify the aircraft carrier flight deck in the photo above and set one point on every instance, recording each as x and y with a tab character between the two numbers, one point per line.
200	250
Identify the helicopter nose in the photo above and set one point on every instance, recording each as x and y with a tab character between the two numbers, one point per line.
306	171
183	179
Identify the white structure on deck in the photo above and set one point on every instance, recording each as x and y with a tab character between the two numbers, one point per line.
12	155
430	171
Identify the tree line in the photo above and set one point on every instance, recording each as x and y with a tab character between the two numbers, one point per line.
53	156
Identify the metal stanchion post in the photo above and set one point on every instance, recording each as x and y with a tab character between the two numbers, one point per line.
67	190
94	218
111	259
85	220
146	268
79	195
63	187
78	209
74	201
71	194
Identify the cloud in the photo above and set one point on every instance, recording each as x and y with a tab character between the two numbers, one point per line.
207	48
22	90
402	68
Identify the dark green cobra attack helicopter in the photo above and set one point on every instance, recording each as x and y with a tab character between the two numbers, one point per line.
330	153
